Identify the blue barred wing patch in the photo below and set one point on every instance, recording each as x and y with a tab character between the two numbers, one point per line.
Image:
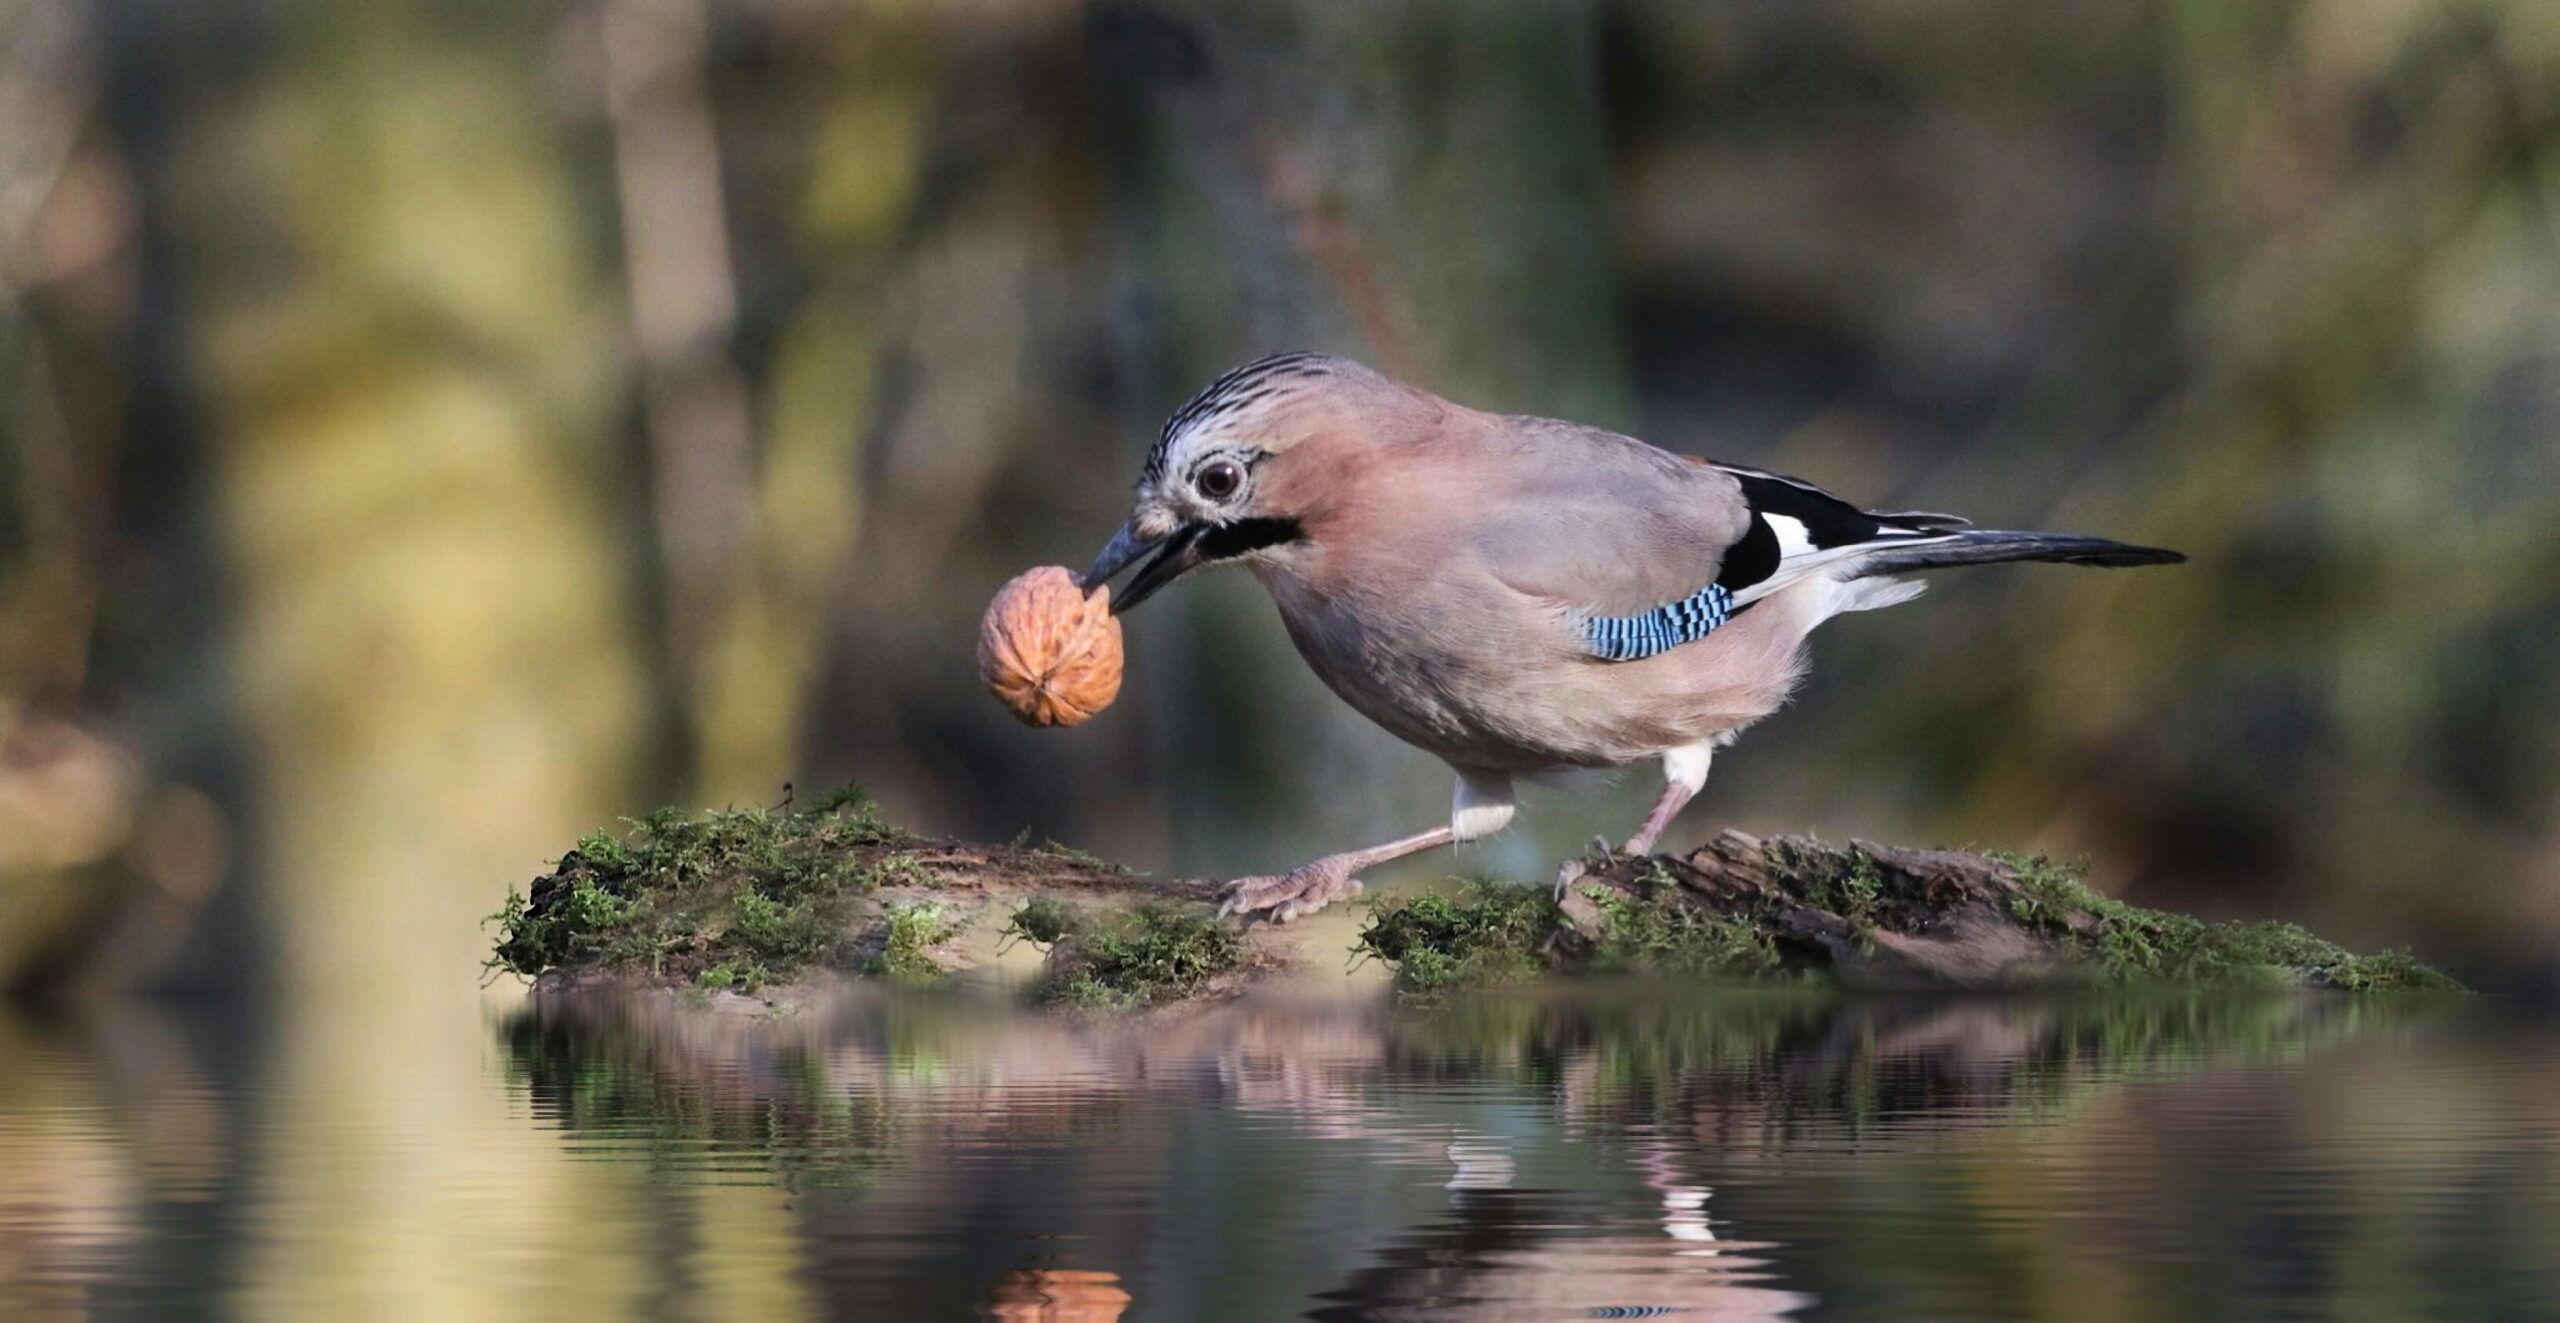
1626	638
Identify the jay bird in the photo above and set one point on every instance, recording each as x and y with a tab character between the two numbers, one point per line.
1518	595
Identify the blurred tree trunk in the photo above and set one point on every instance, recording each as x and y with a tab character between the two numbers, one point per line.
683	313
396	348
402	350
806	336
947	322
1420	185
113	587
66	795
751	520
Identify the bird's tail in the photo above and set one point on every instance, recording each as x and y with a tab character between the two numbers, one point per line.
1987	546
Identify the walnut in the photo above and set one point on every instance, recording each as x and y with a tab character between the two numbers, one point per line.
1048	651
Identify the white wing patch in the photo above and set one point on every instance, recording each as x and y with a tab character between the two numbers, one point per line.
1793	538
1795	566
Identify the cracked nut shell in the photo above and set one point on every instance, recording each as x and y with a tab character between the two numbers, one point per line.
1050	653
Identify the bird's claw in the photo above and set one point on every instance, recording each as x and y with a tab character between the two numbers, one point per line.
1292	895
1568	873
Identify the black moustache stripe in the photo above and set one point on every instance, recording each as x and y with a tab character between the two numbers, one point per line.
1244	535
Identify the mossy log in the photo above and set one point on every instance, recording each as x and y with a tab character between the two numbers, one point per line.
747	901
752	901
1860	915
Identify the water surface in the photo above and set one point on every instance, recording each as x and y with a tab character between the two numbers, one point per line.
1632	1151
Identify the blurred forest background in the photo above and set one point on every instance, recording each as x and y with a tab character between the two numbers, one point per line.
431	428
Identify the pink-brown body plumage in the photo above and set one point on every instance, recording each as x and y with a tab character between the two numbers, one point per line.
1518	594
1448	553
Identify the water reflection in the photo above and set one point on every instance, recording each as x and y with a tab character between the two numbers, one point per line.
118	1156
1318	1154
1515	1156
1596	1152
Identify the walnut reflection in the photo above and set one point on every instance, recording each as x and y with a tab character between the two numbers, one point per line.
1055	1295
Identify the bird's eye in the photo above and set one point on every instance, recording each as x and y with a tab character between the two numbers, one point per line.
1218	479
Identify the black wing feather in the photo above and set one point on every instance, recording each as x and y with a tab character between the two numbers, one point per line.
1828	522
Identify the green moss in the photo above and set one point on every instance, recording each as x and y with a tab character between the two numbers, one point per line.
794	931
580	924
684	896
1492	933
1847	884
1647	920
1146	953
896	869
1486	933
1654	926
1847	881
1042	922
745	976
2128	944
908	936
742	899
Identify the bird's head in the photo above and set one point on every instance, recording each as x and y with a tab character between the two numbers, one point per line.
1236	472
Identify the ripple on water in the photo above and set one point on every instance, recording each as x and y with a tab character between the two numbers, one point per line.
1587	1153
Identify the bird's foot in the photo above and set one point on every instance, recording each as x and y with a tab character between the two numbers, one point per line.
1292	895
1574	870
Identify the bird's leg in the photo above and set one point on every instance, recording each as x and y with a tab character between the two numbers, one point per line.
1311	886
1483	805
1684	772
1667	806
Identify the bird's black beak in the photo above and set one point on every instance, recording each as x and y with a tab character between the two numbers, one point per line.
1175	554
